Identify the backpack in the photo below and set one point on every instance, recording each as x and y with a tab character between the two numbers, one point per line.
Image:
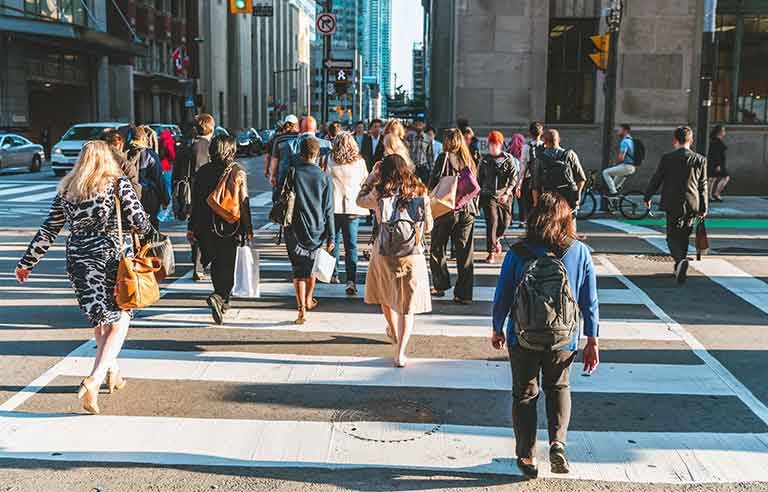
545	312
226	198
182	199
638	155
555	172
282	209
400	231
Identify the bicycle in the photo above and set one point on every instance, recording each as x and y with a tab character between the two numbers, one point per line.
631	204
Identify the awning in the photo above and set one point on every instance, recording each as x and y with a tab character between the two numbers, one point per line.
70	36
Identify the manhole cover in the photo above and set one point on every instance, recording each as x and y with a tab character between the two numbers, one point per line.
661	258
738	250
405	421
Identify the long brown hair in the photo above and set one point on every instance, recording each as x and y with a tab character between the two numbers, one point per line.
398	178
454	143
551	224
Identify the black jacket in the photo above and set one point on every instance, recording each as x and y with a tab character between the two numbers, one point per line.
498	178
191	158
313	212
154	193
371	155
716	157
682	176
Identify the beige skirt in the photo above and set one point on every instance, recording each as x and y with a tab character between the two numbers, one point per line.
401	284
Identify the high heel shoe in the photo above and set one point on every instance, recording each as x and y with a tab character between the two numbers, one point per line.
89	392
302	316
115	381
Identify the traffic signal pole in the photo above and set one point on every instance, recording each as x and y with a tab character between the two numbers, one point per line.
613	20
706	76
326	56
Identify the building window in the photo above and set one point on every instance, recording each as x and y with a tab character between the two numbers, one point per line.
740	89
570	72
69	11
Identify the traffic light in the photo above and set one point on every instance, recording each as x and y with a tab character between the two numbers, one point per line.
602	42
241	6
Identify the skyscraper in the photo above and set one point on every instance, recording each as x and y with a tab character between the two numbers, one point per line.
376	42
418	91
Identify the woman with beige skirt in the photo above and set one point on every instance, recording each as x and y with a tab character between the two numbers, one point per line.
397	278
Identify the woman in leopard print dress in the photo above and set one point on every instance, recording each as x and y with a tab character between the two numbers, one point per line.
86	201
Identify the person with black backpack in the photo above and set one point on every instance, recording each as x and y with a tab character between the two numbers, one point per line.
524	190
547	287
398	279
631	156
558	170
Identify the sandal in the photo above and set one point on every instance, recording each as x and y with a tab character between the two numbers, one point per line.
302	316
437	293
313	305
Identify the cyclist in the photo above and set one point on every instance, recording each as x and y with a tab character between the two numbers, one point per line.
615	176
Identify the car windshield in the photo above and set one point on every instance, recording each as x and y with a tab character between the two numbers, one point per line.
85	132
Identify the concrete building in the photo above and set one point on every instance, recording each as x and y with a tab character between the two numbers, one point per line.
55	68
418	91
281	56
503	63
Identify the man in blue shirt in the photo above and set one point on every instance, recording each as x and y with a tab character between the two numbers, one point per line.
288	153
625	165
549	219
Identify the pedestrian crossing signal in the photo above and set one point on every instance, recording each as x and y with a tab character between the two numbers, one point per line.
602	42
241	6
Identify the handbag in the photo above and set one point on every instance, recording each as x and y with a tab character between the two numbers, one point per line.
282	210
442	199
161	247
702	241
226	198
467	188
324	265
136	285
246	273
182	199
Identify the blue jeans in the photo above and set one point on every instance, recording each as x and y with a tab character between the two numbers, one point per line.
167	177
347	226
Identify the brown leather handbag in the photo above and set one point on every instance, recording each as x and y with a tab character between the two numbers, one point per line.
136	286
702	241
226	198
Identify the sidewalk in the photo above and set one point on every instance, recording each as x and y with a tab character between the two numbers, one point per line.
732	207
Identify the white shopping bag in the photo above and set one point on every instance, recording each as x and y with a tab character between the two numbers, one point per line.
246	273
324	265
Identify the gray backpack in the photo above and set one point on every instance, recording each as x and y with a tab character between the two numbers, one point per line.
544	310
400	231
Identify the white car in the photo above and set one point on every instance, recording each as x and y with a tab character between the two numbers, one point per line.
17	151
65	153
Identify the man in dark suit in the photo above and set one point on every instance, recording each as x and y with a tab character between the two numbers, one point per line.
372	149
682	176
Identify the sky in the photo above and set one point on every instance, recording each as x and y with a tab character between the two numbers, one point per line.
407	28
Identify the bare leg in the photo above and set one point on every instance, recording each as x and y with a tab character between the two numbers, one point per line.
113	343
391	322
311	282
404	330
100	334
711	183
300	284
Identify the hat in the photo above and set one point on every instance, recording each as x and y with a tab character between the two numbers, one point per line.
291	118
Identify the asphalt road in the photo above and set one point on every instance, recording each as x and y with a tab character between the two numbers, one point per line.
679	402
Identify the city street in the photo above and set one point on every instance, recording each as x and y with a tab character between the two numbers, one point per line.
679	401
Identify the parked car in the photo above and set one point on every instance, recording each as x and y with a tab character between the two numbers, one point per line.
174	129
267	134
249	142
17	151
220	130
65	152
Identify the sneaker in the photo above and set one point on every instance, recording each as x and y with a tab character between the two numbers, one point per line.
216	303
557	461
681	271
530	471
351	289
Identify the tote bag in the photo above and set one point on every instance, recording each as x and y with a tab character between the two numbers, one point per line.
324	265
246	273
442	199
162	248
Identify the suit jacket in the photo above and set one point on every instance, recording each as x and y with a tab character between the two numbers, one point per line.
191	159
682	176
371	155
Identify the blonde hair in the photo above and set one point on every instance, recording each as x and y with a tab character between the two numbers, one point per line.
455	144
345	150
140	138
152	142
395	145
94	170
395	127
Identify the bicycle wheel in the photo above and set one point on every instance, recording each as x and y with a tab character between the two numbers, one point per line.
587	205
632	205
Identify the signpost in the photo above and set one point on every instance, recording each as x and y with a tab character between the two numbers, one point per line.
326	23
339	64
326	26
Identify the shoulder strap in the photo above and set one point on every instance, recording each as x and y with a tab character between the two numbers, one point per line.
523	251
119	213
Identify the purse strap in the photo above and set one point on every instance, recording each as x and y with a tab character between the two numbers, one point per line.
119	214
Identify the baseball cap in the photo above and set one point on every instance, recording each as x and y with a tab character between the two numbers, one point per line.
291	118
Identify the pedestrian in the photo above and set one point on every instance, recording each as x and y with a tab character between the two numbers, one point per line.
717	170
395	127
542	335
116	144
437	147
558	170
682	176
373	144
289	131
334	129
473	144
348	173
420	148
394	145
615	176
87	200
533	147
359	134
397	278
312	226
154	194
289	151
499	176
195	156
167	146
516	147
217	239
458	226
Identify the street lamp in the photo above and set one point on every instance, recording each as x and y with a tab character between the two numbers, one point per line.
613	16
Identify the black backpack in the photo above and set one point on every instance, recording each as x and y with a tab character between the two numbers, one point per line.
400	232
554	171
638	155
545	311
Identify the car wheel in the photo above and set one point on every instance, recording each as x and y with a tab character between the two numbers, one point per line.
59	172
37	164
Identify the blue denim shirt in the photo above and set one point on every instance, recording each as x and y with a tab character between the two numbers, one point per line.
290	150
582	279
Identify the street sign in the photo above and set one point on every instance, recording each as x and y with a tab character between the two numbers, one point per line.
326	23
339	64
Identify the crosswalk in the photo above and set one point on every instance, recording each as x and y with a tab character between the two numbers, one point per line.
262	392
21	198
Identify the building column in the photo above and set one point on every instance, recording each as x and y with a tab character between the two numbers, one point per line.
121	93
102	99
